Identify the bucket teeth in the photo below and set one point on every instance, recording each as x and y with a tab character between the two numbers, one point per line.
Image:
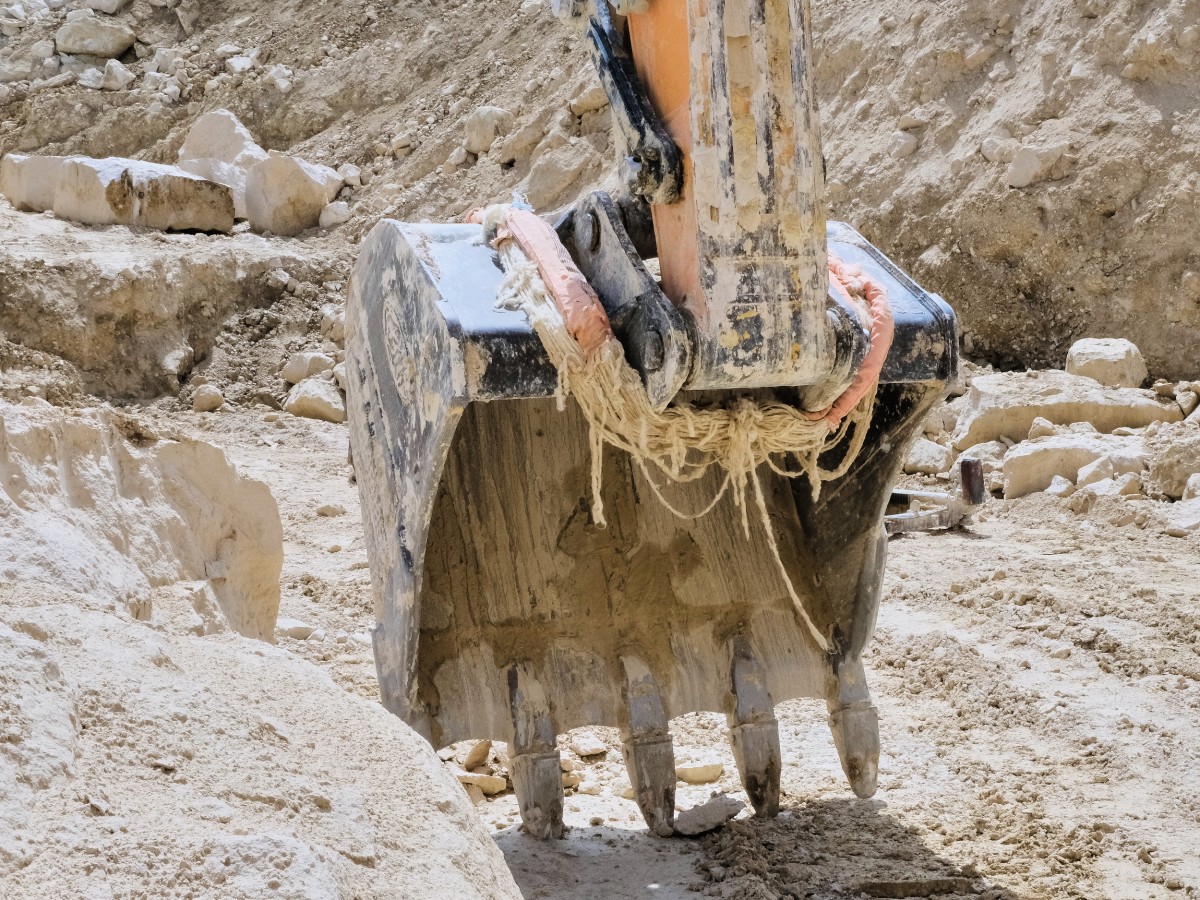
646	746
535	765
754	732
855	726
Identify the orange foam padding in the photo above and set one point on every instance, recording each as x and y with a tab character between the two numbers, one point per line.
882	326
581	310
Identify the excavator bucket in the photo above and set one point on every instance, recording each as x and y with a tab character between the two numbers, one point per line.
505	609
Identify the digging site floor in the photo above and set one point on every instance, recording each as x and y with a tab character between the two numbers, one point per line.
1007	771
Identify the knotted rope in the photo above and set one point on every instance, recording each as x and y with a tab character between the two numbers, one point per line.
684	440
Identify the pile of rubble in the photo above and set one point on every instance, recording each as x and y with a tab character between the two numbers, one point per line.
1086	433
222	175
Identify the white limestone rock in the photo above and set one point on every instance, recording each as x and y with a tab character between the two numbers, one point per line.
1060	487
94	37
1183	518
207	398
1115	362
928	458
224	173
1174	458
334	214
285	195
1005	404
709	816
1032	164
305	364
1098	470
219	135
484	125
116	191
316	398
109	7
29	182
704	771
1032	465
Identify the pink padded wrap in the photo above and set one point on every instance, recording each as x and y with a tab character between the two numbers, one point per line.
585	318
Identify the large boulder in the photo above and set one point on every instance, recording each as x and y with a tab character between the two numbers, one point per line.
1006	404
1115	362
93	36
285	195
29	182
1032	465
132	192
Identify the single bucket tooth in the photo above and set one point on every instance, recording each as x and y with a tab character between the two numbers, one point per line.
646	746
534	763
754	732
855	726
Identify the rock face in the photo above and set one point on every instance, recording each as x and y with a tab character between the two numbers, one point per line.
90	512
1112	361
131	192
130	312
1006	405
285	195
94	36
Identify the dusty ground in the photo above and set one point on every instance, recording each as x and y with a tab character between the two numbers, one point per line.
1037	674
1007	772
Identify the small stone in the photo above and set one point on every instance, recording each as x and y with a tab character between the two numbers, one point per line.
1041	428
490	785
318	634
708	817
304	364
294	628
334	214
903	144
475	793
596	821
239	65
571	779
590	99
477	755
1060	487
585	745
1032	164
700	772
999	149
1061	652
592	788
351	174
1095	471
928	458
329	510
207	398
1115	362
482	128
457	157
316	398
109	7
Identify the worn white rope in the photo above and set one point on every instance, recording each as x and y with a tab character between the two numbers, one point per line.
684	440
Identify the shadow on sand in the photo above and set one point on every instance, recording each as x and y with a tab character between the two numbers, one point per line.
821	850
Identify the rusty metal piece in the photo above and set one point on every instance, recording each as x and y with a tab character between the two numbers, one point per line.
931	510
